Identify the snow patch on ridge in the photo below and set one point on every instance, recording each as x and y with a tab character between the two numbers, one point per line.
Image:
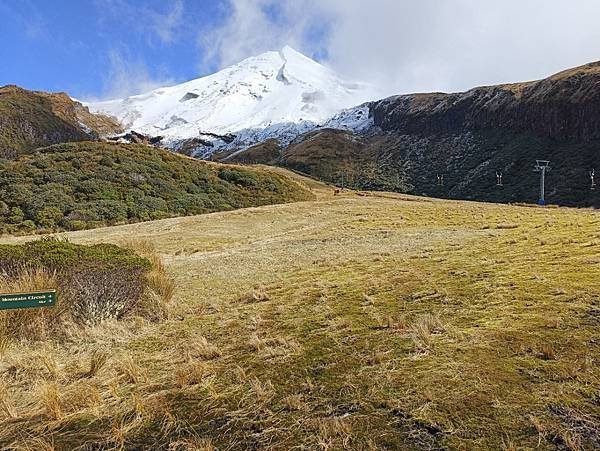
357	119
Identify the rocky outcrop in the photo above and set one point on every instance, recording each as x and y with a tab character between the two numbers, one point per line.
133	137
31	119
192	146
227	138
563	107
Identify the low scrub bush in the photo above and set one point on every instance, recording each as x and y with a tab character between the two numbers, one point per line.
94	283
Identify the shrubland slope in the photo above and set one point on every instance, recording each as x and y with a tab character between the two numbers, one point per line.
89	184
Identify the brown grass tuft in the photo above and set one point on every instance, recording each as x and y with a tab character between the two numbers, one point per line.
295	403
97	361
263	391
158	278
191	374
335	427
192	445
130	371
5	344
547	352
201	348
258	294
423	329
6	406
49	393
160	281
50	365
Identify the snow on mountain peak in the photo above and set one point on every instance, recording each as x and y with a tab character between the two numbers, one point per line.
274	94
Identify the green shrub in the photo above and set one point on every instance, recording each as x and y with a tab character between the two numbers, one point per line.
16	215
94	283
239	177
75	225
49	216
27	225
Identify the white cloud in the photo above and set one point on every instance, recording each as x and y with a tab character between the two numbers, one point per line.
127	75
165	25
250	29
157	26
408	46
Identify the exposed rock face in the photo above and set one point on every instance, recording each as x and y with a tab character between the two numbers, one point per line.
564	107
190	146
227	138
31	119
133	137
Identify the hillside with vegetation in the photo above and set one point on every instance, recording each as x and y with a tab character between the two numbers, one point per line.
355	321
31	119
90	184
467	138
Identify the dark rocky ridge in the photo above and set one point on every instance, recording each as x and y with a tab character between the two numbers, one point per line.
564	107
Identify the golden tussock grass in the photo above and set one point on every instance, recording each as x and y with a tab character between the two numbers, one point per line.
50	400
130	371
257	294
200	348
97	360
365	322
159	280
423	330
192	373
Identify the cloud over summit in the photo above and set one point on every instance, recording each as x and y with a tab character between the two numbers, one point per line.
406	46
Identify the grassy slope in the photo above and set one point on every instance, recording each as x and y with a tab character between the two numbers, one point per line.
309	325
90	184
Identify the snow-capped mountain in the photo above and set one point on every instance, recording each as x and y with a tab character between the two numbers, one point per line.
276	94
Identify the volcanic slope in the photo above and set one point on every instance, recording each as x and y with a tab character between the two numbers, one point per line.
31	119
277	94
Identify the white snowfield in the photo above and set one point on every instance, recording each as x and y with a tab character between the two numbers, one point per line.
273	95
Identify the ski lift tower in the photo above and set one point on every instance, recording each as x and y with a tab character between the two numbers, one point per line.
542	166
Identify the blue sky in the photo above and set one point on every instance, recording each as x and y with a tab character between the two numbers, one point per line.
113	48
84	46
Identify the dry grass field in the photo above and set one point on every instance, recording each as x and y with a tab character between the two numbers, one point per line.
356	321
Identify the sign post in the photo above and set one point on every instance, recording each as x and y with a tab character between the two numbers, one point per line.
32	299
